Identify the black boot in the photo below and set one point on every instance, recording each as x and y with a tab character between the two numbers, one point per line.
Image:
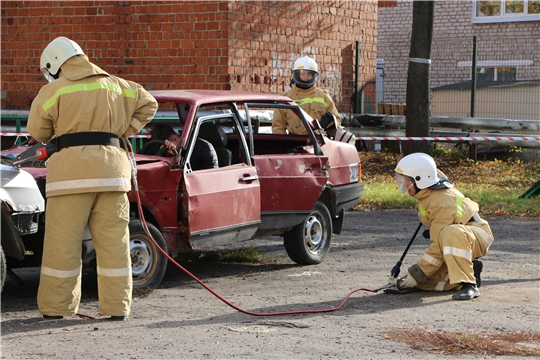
477	268
467	292
53	317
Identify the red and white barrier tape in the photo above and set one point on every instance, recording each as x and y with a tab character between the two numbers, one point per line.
445	138
382	138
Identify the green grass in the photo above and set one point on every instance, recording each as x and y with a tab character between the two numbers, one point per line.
385	195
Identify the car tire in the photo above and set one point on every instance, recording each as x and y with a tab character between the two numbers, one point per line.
308	243
148	264
3	268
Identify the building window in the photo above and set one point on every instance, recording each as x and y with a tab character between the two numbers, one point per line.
497	70
496	73
505	11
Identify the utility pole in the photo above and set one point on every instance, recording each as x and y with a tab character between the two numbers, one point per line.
417	111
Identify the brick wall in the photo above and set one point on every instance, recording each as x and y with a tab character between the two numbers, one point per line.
387	3
230	45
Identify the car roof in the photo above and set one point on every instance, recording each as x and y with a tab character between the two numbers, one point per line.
199	97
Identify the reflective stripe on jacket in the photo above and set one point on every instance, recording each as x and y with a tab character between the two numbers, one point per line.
314	101
85	98
438	209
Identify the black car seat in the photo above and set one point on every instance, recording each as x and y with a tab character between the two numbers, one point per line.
216	136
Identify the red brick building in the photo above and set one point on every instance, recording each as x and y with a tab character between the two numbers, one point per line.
229	45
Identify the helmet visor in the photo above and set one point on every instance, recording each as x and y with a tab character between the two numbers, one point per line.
305	79
404	182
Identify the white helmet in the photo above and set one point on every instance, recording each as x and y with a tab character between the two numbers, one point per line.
55	54
301	66
420	167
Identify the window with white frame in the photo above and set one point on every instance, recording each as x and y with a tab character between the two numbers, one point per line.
505	11
496	70
496	73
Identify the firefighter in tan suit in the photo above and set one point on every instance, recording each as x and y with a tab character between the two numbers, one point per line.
315	101
458	235
85	110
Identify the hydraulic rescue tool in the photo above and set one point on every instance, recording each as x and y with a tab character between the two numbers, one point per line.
393	281
41	153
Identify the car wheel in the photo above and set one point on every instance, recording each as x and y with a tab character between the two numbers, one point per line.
148	264
3	268
308	243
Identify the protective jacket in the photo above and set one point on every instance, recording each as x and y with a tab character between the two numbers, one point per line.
85	98
314	101
457	234
93	181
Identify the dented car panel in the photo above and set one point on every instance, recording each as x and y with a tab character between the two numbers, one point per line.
221	206
290	182
19	191
158	184
22	205
345	174
344	164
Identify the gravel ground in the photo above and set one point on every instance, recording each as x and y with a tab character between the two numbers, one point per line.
181	320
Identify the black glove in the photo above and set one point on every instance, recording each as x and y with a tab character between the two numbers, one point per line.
426	234
328	121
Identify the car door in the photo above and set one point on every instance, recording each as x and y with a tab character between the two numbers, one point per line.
220	205
292	182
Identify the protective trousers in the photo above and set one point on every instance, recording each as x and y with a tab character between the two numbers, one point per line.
107	217
460	244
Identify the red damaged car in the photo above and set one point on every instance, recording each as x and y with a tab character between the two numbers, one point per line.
296	186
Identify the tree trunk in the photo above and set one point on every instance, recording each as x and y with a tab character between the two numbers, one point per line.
417	111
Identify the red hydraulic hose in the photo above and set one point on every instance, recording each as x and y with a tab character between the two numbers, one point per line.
143	221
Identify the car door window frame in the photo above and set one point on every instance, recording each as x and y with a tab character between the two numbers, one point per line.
186	162
302	115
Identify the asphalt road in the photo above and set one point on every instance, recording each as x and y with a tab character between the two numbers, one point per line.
183	320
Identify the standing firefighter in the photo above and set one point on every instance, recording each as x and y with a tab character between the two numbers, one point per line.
313	100
85	110
458	235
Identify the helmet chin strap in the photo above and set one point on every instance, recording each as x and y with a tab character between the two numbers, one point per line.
303	87
50	77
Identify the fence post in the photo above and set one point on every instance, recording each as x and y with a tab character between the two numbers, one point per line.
356	80
473	154
18	130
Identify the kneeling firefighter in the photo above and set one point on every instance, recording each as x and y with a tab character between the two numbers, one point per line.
86	110
457	233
